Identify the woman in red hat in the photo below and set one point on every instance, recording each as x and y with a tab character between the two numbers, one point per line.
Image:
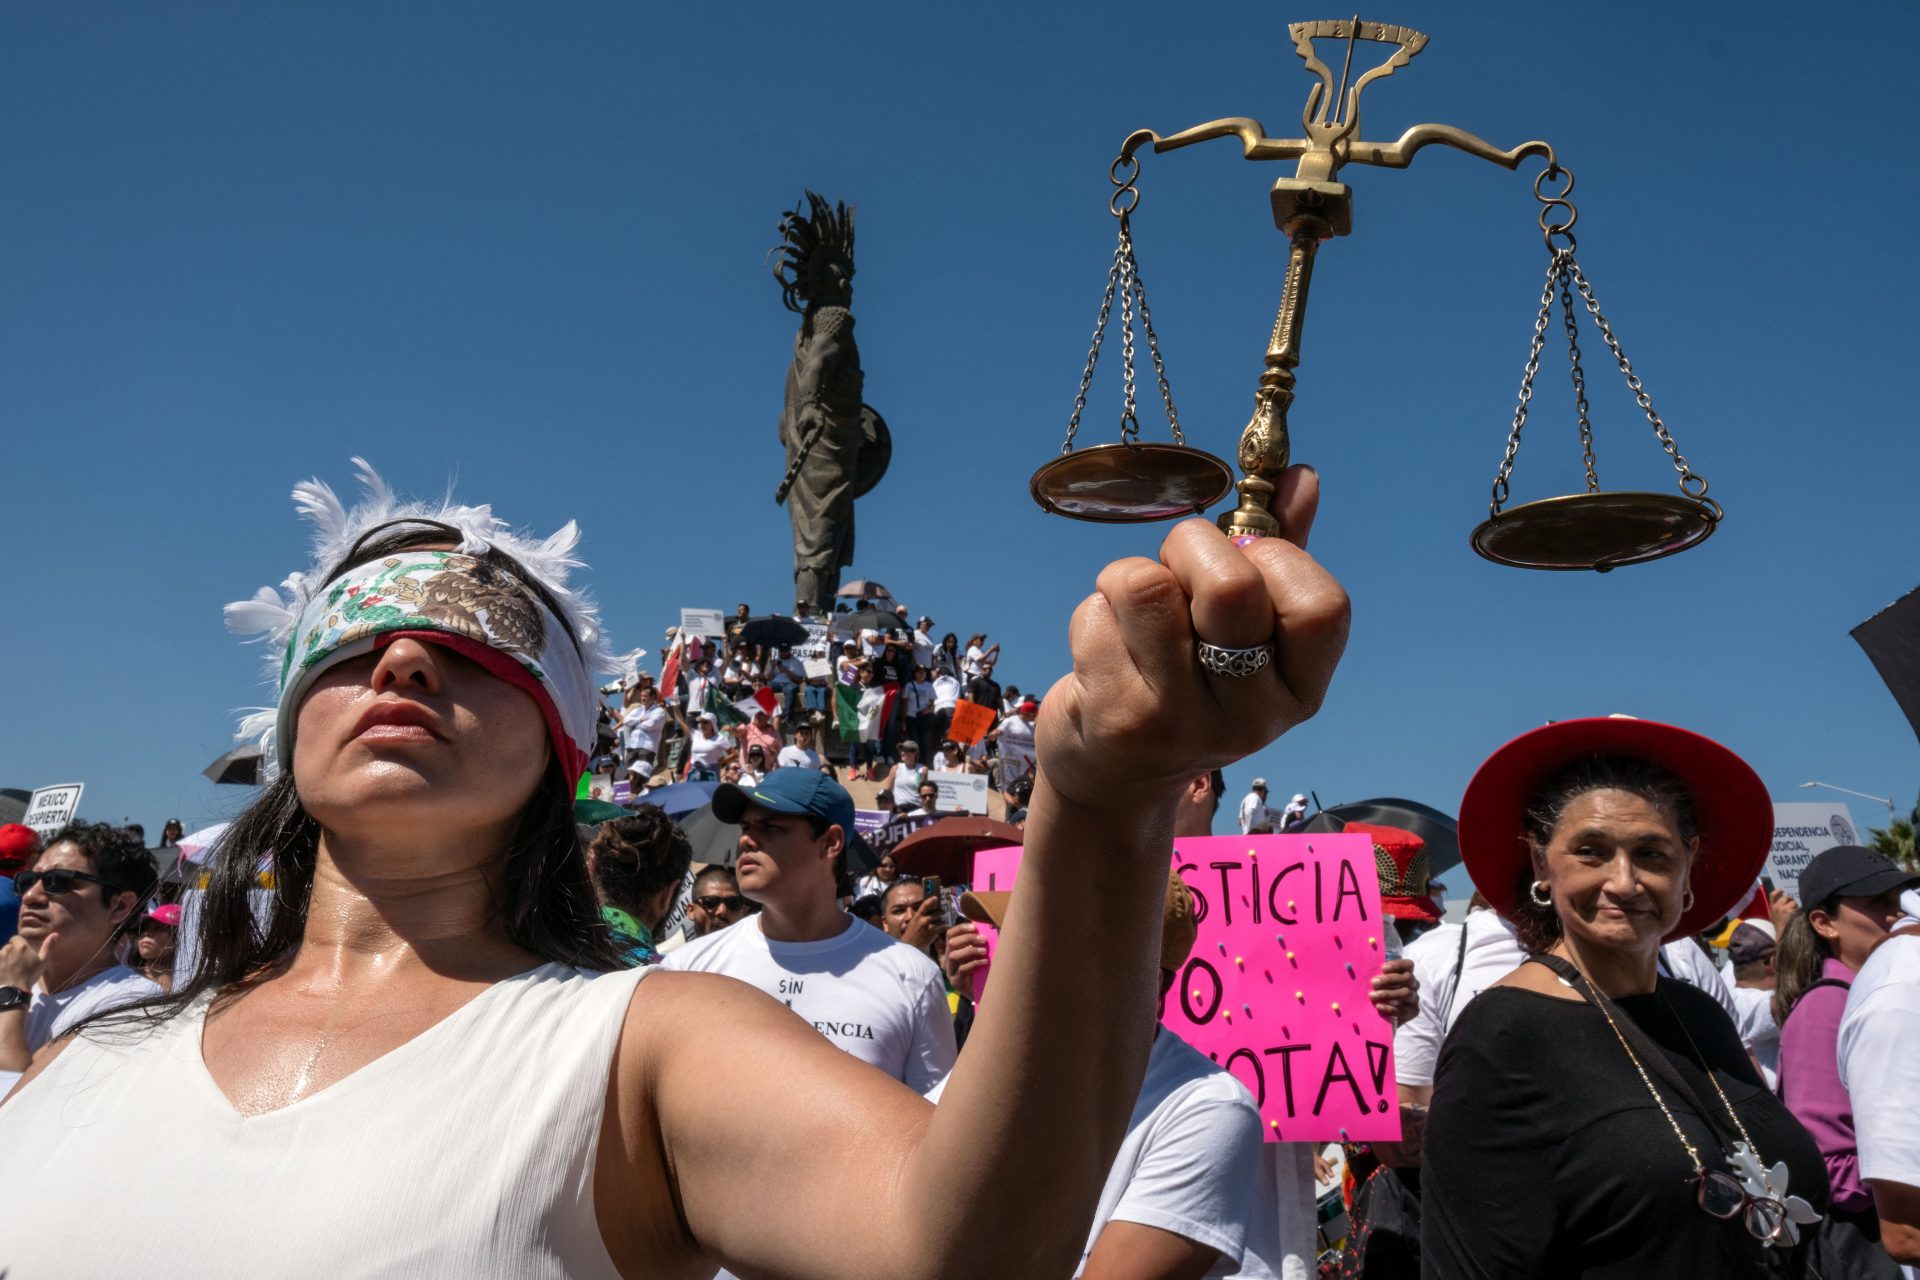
1590	1117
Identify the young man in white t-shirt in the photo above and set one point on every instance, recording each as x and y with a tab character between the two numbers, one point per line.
799	754
870	994
1181	1198
59	969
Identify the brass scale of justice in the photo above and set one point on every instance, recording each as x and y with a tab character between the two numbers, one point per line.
1135	480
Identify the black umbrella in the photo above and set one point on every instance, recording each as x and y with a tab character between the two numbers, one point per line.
1891	638
240	765
717	841
773	630
1439	830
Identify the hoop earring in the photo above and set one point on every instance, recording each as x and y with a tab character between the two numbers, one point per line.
1541	893
1686	900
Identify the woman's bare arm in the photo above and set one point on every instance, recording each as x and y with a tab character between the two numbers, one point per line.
788	1157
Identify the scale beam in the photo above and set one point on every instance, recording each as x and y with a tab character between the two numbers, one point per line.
1594	530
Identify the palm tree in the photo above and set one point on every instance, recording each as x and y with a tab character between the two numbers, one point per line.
1896	839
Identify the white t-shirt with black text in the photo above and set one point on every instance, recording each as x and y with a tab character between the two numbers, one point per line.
1191	1159
869	993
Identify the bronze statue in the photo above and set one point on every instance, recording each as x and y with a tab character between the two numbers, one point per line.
837	447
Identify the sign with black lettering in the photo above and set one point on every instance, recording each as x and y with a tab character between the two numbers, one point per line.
1801	830
52	808
1277	989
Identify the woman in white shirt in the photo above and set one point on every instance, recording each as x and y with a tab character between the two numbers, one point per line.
903	780
946	696
708	748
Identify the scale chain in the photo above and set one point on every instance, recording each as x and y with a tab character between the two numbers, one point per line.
1153	349
1129	416
1579	380
1692	483
1500	490
1099	336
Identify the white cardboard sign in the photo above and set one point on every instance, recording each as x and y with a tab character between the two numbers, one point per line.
961	792
1801	830
703	622
52	808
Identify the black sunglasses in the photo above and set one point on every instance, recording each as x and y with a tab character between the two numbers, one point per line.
714	901
59	881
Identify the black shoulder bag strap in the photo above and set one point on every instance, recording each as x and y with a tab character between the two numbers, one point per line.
1459	971
1651	1055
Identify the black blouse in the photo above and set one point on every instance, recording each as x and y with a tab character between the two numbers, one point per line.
1545	1155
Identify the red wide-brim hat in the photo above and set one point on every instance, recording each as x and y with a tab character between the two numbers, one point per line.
1730	804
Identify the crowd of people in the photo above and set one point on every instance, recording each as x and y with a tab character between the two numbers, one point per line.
415	1007
877	700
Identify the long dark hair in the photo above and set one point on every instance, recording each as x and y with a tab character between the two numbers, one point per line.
1538	927
1799	960
547	903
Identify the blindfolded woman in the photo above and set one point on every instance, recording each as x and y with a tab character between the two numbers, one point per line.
422	1065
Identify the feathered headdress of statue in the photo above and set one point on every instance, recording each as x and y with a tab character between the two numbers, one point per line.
548	640
824	228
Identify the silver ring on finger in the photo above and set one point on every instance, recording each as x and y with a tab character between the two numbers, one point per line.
1235	663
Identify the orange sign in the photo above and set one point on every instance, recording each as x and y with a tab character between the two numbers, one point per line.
970	720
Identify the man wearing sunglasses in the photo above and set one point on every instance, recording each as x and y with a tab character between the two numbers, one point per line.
60	969
716	901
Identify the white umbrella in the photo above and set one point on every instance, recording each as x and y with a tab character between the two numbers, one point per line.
194	848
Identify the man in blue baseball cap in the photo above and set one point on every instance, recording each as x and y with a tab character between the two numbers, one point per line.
871	994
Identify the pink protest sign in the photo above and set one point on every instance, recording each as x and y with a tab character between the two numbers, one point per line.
993	870
1277	988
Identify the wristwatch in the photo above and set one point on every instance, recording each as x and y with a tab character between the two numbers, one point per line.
14	998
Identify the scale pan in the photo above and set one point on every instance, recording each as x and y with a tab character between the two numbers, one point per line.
1131	483
1597	531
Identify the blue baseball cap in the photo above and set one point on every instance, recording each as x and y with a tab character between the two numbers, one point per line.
793	790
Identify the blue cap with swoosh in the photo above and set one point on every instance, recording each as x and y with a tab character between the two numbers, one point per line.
797	791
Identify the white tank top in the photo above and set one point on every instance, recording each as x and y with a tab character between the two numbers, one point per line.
468	1151
906	783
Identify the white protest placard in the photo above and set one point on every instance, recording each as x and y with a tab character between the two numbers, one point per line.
1801	830
816	642
703	622
52	808
960	792
819	670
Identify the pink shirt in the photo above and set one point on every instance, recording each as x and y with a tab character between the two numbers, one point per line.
1810	1083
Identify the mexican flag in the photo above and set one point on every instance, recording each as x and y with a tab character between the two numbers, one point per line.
846	710
729	713
859	711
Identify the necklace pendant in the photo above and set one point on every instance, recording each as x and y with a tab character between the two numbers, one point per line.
1763	1183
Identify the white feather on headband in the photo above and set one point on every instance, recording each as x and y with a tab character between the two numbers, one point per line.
271	615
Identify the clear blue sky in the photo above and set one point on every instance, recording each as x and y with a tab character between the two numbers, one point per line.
521	245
